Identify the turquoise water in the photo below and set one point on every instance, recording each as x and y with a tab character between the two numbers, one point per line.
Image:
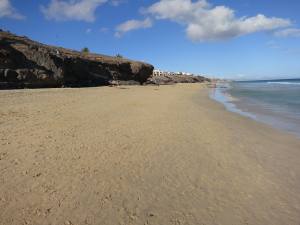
275	102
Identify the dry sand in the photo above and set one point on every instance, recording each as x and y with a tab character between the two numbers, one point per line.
141	155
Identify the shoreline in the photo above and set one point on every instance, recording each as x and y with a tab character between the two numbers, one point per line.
254	112
141	155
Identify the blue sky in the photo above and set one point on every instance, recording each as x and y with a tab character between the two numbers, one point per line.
244	39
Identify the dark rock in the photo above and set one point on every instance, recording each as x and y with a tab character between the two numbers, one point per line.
2	78
25	63
10	75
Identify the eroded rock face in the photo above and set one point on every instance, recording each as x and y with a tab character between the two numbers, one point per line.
25	63
173	79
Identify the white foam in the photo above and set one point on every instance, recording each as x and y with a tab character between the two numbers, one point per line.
283	83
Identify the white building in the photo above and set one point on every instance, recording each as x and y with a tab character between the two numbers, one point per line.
157	72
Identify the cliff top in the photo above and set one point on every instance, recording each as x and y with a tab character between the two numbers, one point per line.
18	41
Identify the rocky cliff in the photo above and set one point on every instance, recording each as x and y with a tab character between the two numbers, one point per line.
26	63
173	79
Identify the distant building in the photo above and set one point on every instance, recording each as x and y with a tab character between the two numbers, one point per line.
157	72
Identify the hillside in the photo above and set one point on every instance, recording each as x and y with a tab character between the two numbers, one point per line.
29	64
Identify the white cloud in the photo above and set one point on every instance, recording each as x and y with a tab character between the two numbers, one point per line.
81	10
132	25
289	32
203	22
7	10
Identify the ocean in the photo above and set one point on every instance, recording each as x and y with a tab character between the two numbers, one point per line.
275	102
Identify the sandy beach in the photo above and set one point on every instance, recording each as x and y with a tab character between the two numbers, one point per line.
141	155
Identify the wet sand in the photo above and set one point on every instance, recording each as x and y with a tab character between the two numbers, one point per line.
141	155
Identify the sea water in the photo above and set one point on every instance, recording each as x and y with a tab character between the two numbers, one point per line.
275	102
